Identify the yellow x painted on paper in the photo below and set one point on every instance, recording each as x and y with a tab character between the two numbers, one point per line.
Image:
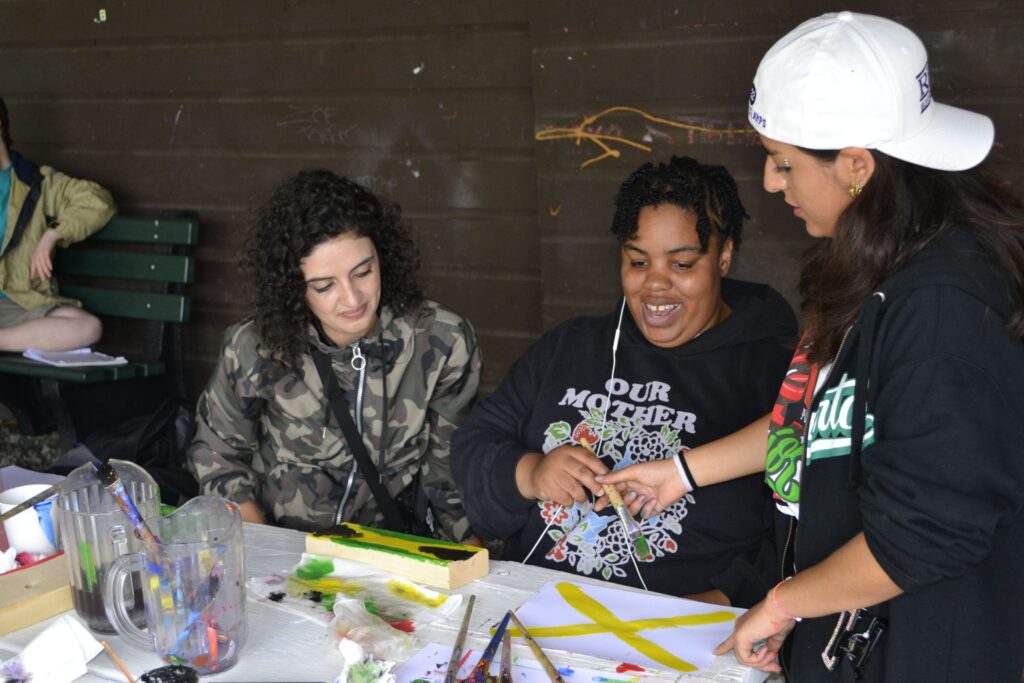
603	621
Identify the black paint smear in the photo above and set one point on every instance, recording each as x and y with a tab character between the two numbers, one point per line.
315	596
276	596
442	553
342	530
170	674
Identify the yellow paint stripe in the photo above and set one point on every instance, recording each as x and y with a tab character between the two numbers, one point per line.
409	592
589	607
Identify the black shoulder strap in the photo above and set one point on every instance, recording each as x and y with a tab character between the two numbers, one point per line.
28	173
397	521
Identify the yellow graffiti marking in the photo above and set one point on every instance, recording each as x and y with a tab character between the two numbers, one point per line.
411	593
580	133
603	621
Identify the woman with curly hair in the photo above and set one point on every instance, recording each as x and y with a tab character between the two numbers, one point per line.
685	358
342	344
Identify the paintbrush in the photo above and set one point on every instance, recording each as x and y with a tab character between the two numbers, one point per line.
549	668
640	545
38	498
460	640
479	674
505	675
110	479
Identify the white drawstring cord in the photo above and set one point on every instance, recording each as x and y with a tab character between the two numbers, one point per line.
600	445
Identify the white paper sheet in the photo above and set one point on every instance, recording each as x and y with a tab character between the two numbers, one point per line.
649	630
74	358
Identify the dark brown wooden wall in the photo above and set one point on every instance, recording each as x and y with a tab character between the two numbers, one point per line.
435	105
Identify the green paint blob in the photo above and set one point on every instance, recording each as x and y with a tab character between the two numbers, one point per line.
314	569
643	549
365	672
371	607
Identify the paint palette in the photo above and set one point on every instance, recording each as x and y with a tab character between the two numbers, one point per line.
315	581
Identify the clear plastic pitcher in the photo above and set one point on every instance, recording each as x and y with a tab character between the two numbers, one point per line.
95	531
193	587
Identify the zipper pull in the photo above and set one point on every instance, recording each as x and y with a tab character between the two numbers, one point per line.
358	359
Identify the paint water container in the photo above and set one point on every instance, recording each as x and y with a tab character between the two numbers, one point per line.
193	586
95	531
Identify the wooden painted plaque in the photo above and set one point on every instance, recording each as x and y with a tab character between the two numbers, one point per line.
441	564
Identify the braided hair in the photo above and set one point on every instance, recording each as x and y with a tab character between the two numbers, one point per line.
708	191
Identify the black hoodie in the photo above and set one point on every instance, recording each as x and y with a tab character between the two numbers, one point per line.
917	439
662	400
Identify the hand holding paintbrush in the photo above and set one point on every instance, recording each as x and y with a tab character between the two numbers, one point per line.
630	525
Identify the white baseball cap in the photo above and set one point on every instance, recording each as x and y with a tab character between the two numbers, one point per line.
856	80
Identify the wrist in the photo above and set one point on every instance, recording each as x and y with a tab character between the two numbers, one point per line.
525	468
776	604
684	471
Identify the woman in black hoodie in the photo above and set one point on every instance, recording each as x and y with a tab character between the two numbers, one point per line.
686	358
894	448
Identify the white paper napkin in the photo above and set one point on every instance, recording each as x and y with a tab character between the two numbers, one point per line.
57	655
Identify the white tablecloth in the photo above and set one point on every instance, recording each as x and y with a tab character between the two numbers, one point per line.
284	647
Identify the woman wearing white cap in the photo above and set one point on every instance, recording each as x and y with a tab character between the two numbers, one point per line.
894	449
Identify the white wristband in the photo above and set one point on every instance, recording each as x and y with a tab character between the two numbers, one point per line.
677	459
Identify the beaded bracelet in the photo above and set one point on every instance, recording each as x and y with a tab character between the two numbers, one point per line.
775	601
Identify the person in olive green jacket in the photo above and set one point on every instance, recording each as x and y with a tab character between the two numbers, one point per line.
41	209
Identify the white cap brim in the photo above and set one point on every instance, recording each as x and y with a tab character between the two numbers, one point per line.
954	140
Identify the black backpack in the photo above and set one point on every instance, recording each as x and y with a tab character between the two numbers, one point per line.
158	443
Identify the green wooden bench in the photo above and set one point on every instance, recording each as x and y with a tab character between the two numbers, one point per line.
134	268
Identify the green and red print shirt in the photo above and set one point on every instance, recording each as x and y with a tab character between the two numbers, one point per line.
797	437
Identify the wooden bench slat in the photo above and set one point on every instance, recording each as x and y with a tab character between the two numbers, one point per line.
139	230
19	365
120	303
126	265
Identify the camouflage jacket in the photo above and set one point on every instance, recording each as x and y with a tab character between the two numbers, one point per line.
265	432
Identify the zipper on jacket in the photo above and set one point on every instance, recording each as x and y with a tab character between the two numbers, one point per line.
358	362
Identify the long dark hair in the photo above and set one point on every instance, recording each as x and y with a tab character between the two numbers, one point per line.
902	208
305	211
706	190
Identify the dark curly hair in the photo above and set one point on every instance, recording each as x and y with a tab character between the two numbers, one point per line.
305	211
709	191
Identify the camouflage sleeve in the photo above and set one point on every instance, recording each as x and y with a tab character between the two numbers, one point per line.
448	408
227	429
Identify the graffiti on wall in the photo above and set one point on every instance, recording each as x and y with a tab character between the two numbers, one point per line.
610	137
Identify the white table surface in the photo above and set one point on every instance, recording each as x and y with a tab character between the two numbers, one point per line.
285	647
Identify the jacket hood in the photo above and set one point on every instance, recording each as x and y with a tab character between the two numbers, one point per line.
955	260
758	312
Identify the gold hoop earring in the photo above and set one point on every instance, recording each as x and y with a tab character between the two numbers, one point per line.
855	190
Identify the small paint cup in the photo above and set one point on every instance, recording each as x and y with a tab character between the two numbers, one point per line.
30	531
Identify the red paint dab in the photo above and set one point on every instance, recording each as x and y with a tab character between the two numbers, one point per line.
404	625
624	667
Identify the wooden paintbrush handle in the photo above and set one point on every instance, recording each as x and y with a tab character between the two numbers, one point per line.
613	493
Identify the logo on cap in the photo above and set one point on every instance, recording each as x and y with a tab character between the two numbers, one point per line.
925	96
753	94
